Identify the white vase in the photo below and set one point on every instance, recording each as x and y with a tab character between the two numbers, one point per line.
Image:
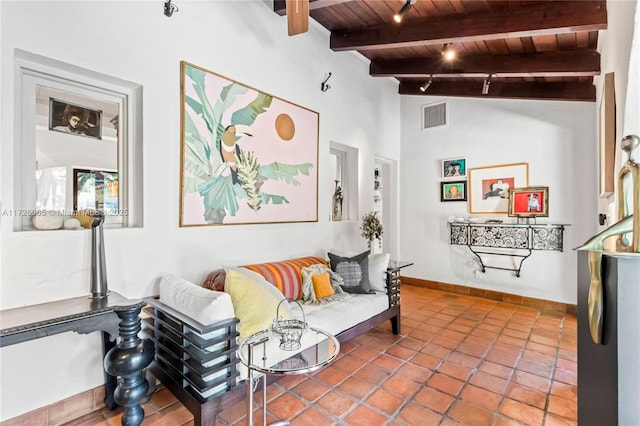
375	245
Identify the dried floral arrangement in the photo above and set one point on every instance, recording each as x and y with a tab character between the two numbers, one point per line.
371	227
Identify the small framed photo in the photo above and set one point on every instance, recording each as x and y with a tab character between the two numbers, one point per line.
75	119
531	201
454	168
453	191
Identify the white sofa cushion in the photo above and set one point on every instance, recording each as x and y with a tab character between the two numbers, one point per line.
340	316
203	305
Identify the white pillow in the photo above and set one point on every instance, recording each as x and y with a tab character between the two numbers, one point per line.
378	264
203	305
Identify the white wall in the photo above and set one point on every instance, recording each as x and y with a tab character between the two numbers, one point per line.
557	139
134	41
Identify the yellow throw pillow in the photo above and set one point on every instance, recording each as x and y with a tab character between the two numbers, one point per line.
255	303
322	285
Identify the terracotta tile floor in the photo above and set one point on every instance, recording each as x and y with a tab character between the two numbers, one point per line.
461	360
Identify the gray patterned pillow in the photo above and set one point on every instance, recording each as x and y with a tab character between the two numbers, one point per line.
354	272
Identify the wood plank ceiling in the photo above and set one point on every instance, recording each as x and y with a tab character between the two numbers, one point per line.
531	49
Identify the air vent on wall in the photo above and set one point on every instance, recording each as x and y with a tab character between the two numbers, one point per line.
434	115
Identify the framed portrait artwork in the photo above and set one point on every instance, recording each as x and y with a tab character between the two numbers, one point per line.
74	119
247	157
454	168
489	186
532	201
453	190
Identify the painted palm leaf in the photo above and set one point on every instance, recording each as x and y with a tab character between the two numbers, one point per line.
273	199
219	193
285	172
248	114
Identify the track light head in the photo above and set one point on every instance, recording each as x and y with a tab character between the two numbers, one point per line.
485	85
426	85
447	52
403	10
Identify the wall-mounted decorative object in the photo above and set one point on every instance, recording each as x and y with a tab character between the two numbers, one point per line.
247	156
489	186
607	136
453	191
377	192
532	201
454	168
66	117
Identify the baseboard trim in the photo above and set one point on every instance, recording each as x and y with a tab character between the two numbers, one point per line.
546	306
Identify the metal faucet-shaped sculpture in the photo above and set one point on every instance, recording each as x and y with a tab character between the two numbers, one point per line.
627	228
99	287
629	196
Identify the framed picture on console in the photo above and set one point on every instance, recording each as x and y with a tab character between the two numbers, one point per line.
532	201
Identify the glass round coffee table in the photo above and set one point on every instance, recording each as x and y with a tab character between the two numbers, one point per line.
262	353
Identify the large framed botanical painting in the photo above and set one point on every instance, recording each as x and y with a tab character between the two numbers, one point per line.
247	156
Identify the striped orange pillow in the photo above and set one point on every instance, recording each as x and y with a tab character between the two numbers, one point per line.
286	276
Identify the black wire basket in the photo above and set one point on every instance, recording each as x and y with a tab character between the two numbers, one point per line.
290	331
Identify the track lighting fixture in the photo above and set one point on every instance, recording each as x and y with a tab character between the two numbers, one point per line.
169	8
403	10
485	85
426	85
447	52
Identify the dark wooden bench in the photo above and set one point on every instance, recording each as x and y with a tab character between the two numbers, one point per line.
198	363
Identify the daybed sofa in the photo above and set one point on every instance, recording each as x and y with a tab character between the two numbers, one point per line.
196	329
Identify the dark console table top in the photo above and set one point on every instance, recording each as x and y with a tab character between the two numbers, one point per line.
81	314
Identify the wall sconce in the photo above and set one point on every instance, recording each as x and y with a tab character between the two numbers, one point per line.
426	85
485	85
169	8
324	86
447	52
403	10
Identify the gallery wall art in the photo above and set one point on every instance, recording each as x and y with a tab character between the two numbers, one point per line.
247	157
489	186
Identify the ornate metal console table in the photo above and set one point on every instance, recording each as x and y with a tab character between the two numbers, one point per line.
519	240
113	315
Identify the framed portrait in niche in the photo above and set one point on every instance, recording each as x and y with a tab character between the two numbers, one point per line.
74	119
453	190
247	157
532	201
489	186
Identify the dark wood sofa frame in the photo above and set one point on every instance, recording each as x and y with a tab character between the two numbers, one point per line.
183	363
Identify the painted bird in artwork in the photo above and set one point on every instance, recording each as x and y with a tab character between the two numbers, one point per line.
229	149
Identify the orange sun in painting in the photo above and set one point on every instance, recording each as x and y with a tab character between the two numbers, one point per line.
285	127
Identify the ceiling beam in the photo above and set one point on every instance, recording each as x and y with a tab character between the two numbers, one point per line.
569	91
549	64
280	6
546	18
